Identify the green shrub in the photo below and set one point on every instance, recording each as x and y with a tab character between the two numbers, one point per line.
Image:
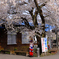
7	52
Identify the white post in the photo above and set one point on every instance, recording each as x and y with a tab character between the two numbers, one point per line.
38	49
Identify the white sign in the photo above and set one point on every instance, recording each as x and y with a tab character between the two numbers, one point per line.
46	48
35	39
44	44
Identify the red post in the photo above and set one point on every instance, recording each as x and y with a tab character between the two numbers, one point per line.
30	52
31	48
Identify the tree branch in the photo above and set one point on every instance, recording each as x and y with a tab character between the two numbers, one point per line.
40	11
27	23
42	5
41	15
23	3
31	13
34	17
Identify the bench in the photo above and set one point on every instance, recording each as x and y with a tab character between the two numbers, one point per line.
53	51
4	51
24	52
14	52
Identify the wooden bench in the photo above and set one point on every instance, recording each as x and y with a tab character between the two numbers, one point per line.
14	52
26	53
4	51
53	51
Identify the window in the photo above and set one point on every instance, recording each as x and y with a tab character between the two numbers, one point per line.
11	38
25	38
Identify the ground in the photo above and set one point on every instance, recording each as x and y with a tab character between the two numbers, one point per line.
6	56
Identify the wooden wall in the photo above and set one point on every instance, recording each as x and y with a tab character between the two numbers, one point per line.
19	46
3	38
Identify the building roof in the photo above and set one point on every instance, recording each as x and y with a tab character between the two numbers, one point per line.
1	27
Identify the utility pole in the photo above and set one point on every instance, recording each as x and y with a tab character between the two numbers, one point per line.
56	38
56	30
56	35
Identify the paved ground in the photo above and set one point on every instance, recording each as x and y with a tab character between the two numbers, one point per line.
6	56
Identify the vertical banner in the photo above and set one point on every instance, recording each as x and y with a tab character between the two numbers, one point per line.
46	48
44	44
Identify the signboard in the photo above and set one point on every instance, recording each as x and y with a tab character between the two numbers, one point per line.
46	48
44	44
35	39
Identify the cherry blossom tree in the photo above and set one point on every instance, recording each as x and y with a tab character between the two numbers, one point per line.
14	13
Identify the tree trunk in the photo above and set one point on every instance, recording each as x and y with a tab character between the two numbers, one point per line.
42	17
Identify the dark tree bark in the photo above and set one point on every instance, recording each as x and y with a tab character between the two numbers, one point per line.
27	23
41	15
34	17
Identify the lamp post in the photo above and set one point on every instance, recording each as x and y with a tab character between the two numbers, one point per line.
50	36
51	40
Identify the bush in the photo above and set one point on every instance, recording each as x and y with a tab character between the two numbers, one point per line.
35	52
